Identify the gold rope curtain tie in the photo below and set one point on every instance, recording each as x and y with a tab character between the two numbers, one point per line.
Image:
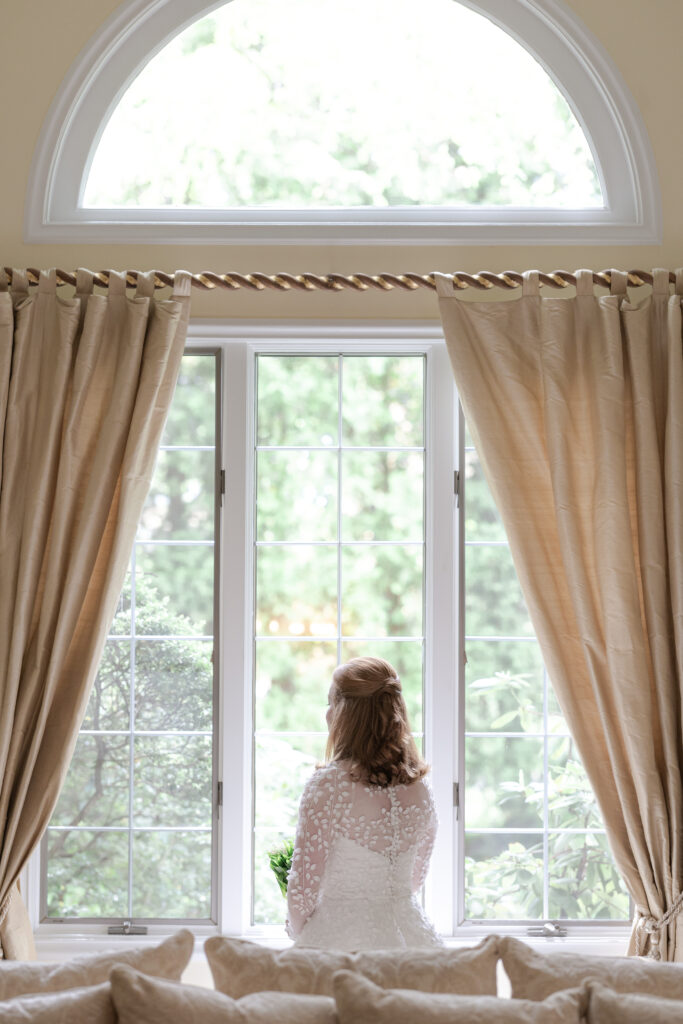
649	925
484	280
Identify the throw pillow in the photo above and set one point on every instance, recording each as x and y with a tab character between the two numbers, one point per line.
361	1002
240	967
608	1007
143	1000
535	975
167	960
90	1005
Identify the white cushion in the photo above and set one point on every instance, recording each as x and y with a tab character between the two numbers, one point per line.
92	1005
535	975
143	1000
240	967
608	1007
361	1002
166	960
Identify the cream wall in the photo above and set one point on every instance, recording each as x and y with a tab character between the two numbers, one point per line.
38	43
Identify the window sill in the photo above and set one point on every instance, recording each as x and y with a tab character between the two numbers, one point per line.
58	943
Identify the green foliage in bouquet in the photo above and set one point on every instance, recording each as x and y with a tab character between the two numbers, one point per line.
280	862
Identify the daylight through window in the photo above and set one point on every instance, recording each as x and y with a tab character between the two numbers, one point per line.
339	561
346	542
133	832
390	104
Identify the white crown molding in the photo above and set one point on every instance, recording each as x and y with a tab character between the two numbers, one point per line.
575	60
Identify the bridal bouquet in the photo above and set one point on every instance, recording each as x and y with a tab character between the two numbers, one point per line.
280	859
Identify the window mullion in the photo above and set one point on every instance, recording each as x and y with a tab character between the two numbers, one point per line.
442	561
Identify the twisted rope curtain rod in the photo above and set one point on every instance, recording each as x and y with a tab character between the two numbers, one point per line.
484	280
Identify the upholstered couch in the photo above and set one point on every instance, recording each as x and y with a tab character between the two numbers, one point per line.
259	985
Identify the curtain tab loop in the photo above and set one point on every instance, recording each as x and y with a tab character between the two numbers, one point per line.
84	282
618	282
145	288
584	282
4	280
530	283
182	284
117	283
660	281
47	282
444	284
679	281
19	282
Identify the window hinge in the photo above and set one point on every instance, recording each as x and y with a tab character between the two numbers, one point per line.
456	798
221	484
127	928
549	930
456	487
219	794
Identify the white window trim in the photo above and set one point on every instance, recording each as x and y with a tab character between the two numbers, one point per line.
572	56
239	342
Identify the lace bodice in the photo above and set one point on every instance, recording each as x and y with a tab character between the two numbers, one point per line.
360	849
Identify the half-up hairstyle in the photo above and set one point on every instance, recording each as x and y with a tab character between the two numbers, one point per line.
369	725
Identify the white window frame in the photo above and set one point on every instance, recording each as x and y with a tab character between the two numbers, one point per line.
240	342
575	60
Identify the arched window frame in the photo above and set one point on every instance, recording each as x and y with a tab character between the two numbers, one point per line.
572	57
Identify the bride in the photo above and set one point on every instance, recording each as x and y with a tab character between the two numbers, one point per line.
366	823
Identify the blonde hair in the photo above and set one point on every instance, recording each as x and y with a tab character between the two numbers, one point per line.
369	725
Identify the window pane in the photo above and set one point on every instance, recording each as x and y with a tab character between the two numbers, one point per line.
172	874
494	605
291	683
270	906
515	782
156	674
108	706
503	876
296	495
180	578
297	400
382	590
180	504
382	496
296	591
95	791
299	590
306	133
571	801
88	873
172	781
192	416
283	763
504	686
174	685
504	782
382	401
583	881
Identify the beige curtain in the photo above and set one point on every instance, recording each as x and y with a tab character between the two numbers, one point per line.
576	409
85	385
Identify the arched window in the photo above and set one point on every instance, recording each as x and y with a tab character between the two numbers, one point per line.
304	122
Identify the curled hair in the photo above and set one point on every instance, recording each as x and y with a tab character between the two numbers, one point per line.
369	725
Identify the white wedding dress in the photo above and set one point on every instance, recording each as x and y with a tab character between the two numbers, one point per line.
361	854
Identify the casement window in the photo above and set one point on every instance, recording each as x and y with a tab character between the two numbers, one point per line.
134	832
316	496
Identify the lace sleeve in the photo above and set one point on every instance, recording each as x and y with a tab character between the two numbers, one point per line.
425	846
311	848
